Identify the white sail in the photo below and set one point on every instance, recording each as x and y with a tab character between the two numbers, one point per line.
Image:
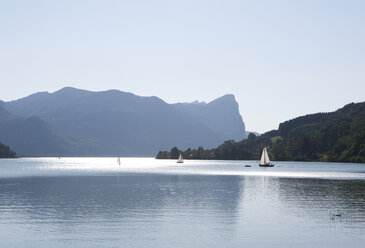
180	160
264	157
262	160
267	160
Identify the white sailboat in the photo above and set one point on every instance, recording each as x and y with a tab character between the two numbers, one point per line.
180	160
265	161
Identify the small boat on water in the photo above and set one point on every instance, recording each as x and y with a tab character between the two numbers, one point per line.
118	161
180	160
265	161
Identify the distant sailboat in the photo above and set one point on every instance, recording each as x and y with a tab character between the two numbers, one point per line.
265	161
118	161
180	160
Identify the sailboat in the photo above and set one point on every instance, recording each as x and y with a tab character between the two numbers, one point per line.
265	161
180	160
118	161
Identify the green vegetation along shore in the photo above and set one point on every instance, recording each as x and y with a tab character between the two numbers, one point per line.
6	152
329	137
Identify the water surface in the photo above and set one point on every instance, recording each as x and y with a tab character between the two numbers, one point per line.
93	202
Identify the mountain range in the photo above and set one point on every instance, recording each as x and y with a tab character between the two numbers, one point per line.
75	122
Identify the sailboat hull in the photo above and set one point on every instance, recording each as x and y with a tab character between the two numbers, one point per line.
266	165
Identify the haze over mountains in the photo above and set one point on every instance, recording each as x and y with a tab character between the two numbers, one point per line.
74	122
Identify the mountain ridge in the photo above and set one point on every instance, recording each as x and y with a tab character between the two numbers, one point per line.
113	122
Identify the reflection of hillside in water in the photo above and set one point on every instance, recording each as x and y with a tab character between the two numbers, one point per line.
306	193
315	193
325	198
67	198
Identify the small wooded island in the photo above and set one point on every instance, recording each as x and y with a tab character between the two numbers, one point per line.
6	152
329	137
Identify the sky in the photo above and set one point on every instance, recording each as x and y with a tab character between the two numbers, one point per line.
281	59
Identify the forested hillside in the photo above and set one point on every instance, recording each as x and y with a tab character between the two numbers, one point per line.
5	152
336	137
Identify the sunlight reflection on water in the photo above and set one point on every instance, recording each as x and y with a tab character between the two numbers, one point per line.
97	165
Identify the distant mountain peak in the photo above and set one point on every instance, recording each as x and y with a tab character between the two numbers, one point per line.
226	98
70	90
196	102
40	93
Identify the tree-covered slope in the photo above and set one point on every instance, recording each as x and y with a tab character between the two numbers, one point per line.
335	136
6	152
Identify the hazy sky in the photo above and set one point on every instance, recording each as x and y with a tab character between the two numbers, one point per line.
281	59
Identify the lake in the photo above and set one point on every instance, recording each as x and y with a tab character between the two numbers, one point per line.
94	202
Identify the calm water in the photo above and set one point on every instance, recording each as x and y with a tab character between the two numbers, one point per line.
93	202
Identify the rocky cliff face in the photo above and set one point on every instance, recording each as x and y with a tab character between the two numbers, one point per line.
221	115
